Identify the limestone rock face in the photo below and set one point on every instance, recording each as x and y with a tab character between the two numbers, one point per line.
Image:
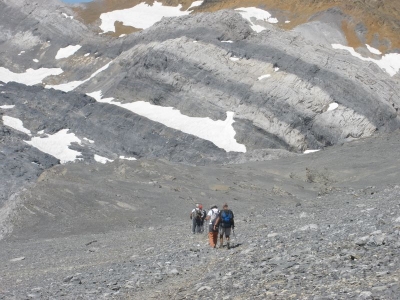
302	94
286	93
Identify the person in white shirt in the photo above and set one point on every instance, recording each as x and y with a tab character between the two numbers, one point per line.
212	216
196	216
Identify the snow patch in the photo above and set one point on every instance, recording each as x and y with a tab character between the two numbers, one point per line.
69	86
264	76
102	159
234	58
22	52
311	151
195	4
390	63
16	124
67	16
219	132
250	13
230	42
87	54
127	158
332	106
7	106
140	16
30	77
57	145
35	60
373	50
67	51
90	141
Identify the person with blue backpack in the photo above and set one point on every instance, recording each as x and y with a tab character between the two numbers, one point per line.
226	223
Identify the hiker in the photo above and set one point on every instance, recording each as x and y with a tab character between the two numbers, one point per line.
225	222
204	214
196	216
212	217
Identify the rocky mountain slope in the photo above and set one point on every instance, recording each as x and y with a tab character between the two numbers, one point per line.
361	22
107	140
252	92
322	227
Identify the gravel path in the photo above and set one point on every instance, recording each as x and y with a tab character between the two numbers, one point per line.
339	246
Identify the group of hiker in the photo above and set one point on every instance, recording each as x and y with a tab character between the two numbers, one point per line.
219	222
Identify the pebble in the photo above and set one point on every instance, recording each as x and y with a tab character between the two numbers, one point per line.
17	259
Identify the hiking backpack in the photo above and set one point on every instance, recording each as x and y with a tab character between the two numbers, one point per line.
226	218
214	217
198	214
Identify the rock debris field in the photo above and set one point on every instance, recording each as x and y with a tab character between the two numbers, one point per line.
307	227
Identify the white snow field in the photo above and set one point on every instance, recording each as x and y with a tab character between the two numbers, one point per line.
67	51
373	50
57	145
310	151
195	4
127	158
390	63
250	13
70	86
219	132
332	106
102	159
67	16
140	16
264	76
15	123
30	77
90	141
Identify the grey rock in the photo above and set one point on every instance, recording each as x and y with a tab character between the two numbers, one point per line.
17	259
377	240
174	272
361	241
379	289
68	279
309	227
207	288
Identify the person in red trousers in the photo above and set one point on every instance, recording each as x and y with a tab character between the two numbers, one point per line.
212	217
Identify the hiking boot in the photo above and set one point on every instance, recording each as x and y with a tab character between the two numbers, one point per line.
220	245
227	244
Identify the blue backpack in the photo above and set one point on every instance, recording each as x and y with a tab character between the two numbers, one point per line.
226	218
